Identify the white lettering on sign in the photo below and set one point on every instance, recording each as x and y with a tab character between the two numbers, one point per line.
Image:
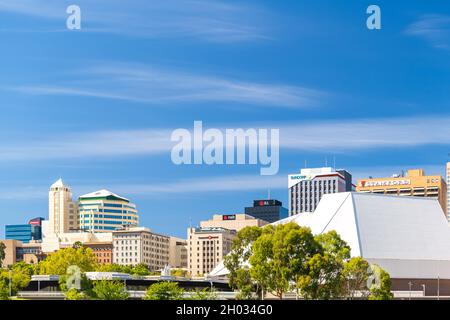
385	183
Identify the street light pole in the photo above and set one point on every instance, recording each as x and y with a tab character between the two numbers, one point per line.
10	283
410	285
438	288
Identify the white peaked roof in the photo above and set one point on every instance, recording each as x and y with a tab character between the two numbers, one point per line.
101	194
58	184
407	236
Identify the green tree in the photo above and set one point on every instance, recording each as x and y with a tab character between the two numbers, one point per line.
355	274
114	268
85	285
58	262
381	289
164	291
140	270
280	257
4	291
333	244
2	253
324	280
205	294
245	284
236	261
19	279
77	245
179	273
74	294
109	290
24	268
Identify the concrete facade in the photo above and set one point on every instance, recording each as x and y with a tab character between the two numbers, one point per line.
139	245
178	255
207	247
232	222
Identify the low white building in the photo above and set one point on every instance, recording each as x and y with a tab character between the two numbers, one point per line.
407	236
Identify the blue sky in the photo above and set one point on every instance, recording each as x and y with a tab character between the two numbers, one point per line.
97	106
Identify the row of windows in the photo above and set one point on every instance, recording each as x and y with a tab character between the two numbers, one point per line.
98	228
315	183
104	261
105	222
103	254
205	260
87	213
151	249
206	254
146	237
107	204
148	262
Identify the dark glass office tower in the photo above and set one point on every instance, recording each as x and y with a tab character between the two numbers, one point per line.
268	210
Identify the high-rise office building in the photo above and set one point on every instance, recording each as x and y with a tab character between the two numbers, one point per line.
36	228
19	232
104	211
207	247
25	232
132	246
415	183
62	213
267	210
307	188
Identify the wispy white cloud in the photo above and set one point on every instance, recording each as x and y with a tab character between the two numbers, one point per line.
434	28
23	192
156	189
87	145
325	136
158	86
209	20
363	134
211	184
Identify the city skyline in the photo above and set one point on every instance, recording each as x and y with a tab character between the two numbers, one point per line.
96	107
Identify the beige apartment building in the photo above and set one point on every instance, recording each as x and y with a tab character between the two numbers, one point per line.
178	253
133	246
233	222
16	251
207	247
10	252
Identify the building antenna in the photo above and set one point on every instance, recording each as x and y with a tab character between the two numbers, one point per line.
326	161
334	162
268	194
305	164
